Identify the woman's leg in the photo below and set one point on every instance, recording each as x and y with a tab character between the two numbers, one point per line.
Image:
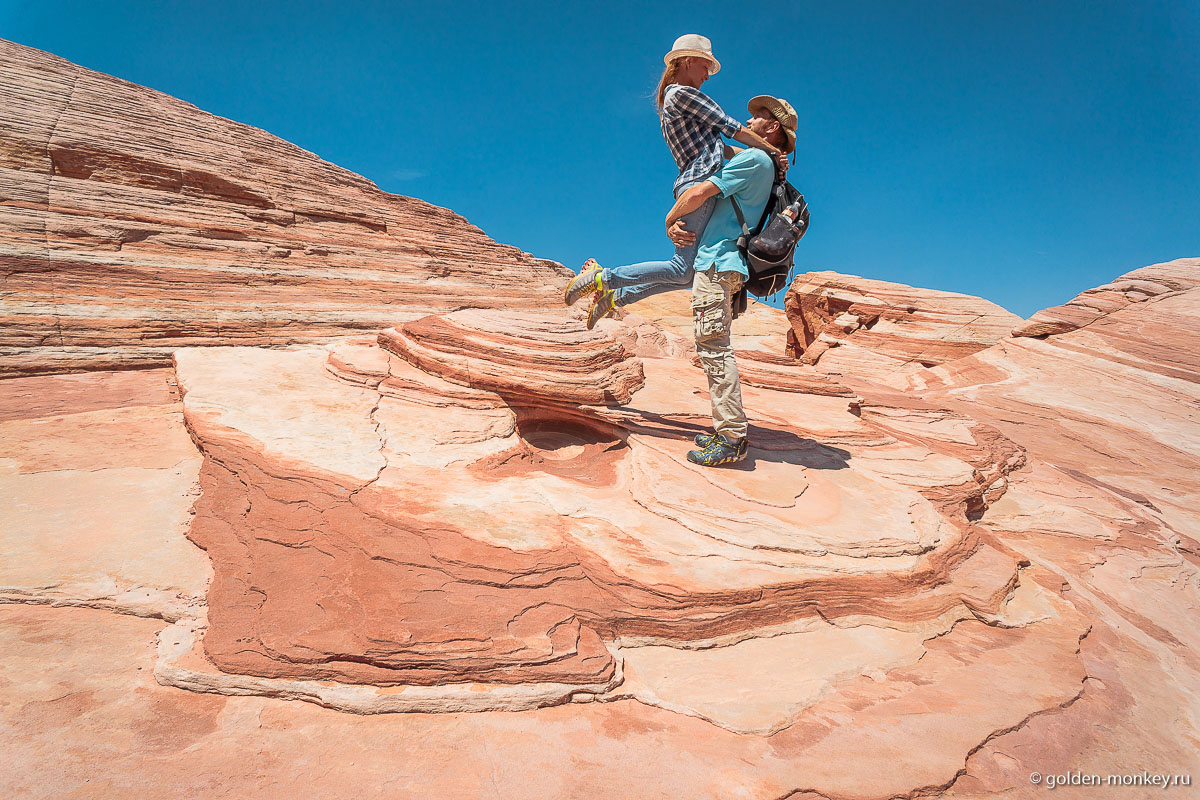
638	281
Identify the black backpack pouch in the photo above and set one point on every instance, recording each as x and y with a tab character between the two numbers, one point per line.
769	248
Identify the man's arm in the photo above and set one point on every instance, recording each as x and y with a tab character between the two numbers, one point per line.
731	151
691	200
688	202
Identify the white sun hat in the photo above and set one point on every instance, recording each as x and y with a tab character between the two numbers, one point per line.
693	44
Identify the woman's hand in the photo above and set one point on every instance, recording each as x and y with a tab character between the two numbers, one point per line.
747	136
680	235
781	161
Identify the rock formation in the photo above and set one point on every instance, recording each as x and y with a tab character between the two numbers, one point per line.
1138	286
117	249
954	557
853	324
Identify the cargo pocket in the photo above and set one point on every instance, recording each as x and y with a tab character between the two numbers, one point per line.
709	319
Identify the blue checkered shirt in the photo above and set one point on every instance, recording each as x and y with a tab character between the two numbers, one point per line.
692	125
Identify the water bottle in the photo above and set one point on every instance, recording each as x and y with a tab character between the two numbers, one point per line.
791	212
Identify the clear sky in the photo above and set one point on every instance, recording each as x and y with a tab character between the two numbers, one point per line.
1019	151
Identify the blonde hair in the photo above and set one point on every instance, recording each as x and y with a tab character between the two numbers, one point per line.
668	77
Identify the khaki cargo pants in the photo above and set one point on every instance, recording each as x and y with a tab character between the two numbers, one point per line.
712	296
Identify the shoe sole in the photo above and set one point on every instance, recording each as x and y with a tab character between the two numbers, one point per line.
728	460
587	287
591	321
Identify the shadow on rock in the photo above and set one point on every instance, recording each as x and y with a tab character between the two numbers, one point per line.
766	444
772	444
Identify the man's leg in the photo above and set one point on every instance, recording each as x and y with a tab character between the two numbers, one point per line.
712	296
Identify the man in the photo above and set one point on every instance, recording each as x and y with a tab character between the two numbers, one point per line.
721	270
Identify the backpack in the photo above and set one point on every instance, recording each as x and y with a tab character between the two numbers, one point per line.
769	248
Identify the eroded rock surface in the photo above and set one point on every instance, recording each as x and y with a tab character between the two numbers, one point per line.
133	223
953	558
852	325
519	355
1156	280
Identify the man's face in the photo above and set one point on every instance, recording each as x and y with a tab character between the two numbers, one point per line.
762	123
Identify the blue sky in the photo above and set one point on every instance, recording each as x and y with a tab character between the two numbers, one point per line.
1019	151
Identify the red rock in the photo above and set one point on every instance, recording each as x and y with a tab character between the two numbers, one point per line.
877	329
519	355
924	581
117	248
1139	286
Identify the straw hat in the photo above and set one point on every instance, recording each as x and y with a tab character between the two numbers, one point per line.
781	110
693	44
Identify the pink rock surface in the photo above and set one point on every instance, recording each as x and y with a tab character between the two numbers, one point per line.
864	327
519	355
1138	286
467	550
117	249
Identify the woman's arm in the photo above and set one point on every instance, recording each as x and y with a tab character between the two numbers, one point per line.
749	137
692	102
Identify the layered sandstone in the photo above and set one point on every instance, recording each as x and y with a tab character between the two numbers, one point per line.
519	355
852	325
1156	280
925	581
132	224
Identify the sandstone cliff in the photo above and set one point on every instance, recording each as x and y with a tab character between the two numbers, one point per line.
954	557
132	223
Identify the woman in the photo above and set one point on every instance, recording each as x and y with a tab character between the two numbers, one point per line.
692	125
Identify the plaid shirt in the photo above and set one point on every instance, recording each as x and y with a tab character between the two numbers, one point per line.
692	125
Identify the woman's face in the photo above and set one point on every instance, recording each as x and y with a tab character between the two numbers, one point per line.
694	70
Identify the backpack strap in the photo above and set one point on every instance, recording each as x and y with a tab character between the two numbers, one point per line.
743	240
777	190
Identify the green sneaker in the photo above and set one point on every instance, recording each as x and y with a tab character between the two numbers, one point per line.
604	306
590	279
719	452
703	440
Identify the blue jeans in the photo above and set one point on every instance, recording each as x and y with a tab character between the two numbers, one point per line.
635	282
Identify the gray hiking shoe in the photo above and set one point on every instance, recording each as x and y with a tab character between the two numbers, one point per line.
589	280
604	306
719	452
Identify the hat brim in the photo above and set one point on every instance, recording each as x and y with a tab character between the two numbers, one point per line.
714	66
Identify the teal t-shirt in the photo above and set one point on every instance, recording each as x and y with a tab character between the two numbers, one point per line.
748	176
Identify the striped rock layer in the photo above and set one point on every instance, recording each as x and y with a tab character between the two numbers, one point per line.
858	326
521	355
133	223
1139	286
924	581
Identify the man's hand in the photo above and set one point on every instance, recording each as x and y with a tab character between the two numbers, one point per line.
689	201
680	235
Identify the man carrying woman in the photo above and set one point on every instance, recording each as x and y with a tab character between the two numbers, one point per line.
692	125
720	271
